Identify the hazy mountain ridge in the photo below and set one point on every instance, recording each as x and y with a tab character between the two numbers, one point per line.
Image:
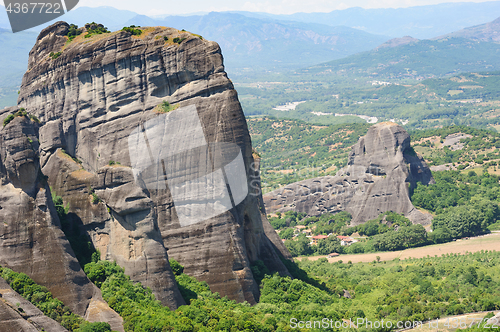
398	42
246	42
270	44
113	18
256	42
418	60
489	32
13	63
418	21
467	50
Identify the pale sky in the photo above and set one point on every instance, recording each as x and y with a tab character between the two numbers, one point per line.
162	7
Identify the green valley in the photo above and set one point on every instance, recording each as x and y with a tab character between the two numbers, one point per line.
470	99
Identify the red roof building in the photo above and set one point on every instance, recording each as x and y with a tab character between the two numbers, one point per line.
316	238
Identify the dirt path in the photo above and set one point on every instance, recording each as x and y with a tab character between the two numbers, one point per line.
484	242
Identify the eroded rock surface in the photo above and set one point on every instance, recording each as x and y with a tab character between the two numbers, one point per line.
31	239
90	99
381	169
18	314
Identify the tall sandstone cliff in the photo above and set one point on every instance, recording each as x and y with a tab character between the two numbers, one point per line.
380	171
31	239
89	99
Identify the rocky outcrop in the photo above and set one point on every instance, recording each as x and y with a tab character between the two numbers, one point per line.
494	321
18	314
381	169
91	96
31	239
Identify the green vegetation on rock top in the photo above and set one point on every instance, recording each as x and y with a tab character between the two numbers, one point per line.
20	113
132	29
73	32
95	29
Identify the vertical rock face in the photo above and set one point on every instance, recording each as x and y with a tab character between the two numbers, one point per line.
90	99
18	314
31	240
380	170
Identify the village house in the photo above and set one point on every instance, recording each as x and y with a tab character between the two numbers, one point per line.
346	240
316	238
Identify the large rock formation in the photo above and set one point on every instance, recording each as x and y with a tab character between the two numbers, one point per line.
381	169
91	96
31	239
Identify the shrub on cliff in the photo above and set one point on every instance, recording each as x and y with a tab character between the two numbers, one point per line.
132	30
54	56
166	107
179	40
10	117
177	268
73	32
95	29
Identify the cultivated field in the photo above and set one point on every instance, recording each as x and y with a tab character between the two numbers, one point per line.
484	242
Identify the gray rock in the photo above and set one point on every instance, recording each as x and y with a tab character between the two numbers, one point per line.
381	169
90	99
494	321
31	239
18	314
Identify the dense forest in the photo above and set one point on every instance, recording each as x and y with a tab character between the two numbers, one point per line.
408	291
389	232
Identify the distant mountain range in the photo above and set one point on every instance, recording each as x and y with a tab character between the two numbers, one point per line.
14	53
421	22
259	42
471	49
489	32
268	44
248	44
112	17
